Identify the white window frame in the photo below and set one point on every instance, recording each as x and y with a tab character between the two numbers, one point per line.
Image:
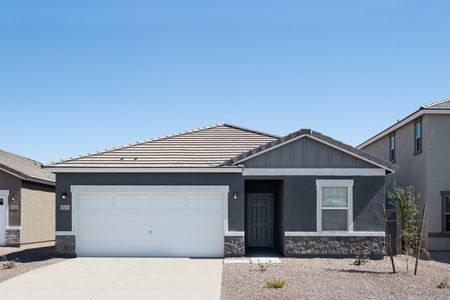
5	195
346	183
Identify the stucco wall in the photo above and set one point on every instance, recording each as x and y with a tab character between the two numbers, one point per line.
300	202
13	184
38	213
235	182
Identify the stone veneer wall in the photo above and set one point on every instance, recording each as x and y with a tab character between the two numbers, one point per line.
12	237
234	246
298	246
65	245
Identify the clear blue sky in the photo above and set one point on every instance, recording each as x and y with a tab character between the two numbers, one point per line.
80	76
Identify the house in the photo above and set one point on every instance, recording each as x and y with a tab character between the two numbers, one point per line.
220	191
420	145
27	202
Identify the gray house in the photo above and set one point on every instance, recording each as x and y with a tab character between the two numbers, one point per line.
420	145
27	202
220	191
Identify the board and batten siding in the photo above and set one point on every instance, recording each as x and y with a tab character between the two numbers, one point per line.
306	153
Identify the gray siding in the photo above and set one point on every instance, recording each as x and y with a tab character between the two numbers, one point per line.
236	208
300	203
306	153
13	185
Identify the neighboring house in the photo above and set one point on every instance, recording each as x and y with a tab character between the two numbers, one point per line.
218	191
420	145
27	202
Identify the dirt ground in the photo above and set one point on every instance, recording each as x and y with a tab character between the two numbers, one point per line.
25	260
320	278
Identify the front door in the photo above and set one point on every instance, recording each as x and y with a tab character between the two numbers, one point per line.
259	220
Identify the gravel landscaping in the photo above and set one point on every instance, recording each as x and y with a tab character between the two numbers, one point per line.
320	278
26	260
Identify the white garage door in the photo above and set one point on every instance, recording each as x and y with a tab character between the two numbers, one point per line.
165	224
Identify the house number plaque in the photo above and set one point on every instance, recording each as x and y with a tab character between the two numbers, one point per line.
14	207
64	207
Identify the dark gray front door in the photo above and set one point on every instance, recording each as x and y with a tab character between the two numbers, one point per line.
259	220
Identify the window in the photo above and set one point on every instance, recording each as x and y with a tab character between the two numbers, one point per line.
418	136
446	197
392	147
334	205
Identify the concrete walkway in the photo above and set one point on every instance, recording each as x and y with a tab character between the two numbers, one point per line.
119	278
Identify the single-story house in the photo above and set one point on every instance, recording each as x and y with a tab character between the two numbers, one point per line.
27	202
219	191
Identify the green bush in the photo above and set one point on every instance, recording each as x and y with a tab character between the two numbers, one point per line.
361	259
275	284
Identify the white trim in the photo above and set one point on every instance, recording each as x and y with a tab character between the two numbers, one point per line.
13	228
76	190
320	141
321	183
149	188
5	194
403	123
234	233
58	233
144	170
334	233
313	171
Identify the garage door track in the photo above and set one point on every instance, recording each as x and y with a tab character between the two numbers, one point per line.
119	278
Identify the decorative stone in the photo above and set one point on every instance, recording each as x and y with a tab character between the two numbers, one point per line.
65	245
234	246
12	237
334	246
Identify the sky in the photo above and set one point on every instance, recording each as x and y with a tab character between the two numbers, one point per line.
81	76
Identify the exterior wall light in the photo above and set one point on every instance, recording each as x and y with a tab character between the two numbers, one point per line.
64	196
235	196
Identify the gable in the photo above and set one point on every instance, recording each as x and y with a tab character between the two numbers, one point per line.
306	153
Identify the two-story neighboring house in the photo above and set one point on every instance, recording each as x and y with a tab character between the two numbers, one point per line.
420	145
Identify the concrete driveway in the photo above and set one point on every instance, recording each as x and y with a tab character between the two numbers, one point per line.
119	278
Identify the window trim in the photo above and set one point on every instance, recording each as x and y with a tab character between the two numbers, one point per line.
321	183
415	137
444	213
392	152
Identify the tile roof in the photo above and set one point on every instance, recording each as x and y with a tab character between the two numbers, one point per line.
442	104
25	168
435	107
204	147
349	149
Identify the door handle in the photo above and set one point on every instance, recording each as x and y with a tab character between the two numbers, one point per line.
150	232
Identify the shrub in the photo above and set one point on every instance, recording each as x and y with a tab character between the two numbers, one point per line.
6	264
443	284
361	259
275	284
262	267
404	200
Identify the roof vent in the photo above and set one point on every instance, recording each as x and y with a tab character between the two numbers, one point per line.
128	158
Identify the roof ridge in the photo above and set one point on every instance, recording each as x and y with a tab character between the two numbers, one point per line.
160	138
430	105
251	130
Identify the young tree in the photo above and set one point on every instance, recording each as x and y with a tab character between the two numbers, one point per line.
404	200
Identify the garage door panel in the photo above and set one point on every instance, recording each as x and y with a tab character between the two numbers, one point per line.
180	224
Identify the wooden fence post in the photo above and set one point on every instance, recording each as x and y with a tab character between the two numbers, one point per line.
419	248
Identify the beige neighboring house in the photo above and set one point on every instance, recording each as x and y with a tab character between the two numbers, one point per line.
420	145
27	202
